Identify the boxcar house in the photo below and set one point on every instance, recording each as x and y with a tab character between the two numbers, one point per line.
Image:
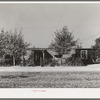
88	55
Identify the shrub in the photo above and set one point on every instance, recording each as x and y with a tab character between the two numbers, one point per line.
72	61
50	62
54	63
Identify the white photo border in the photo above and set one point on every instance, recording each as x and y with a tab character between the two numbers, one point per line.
55	93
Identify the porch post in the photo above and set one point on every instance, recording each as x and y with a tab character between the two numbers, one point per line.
43	57
33	56
13	60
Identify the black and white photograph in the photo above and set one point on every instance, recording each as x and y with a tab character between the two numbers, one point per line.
49	45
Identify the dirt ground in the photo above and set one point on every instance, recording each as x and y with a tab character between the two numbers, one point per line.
95	67
50	77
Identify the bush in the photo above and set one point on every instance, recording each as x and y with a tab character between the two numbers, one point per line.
50	62
54	63
30	63
74	61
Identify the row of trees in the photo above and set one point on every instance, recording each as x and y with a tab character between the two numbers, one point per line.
12	43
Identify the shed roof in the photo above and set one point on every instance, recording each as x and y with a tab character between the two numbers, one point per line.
52	53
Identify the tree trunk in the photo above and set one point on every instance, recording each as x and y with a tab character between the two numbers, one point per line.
1	61
13	61
61	61
23	61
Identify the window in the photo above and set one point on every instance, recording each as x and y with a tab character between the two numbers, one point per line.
84	54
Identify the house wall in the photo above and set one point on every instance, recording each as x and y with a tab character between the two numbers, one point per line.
90	55
41	57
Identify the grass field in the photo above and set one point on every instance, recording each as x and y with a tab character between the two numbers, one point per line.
49	79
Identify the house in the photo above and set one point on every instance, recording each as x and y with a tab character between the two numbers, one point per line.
41	55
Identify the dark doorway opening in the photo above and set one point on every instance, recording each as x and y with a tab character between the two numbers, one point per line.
38	58
8	60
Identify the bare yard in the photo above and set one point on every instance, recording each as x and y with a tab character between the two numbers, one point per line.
50	79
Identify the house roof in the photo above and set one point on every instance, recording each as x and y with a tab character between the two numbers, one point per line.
49	50
85	49
39	48
52	53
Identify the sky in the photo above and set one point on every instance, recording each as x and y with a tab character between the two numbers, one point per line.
39	21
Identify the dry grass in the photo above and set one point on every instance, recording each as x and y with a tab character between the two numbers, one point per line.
50	80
